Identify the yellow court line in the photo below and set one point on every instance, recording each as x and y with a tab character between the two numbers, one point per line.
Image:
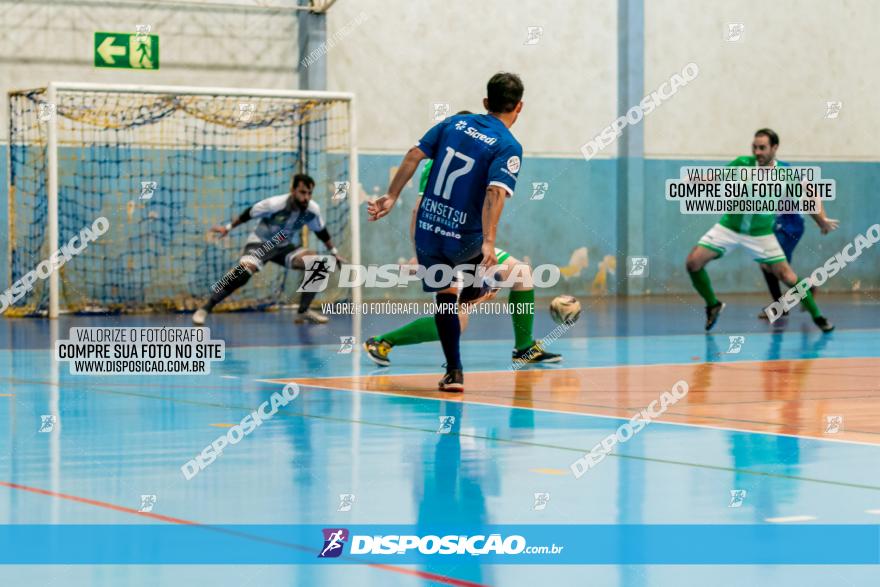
7	395
550	471
222	425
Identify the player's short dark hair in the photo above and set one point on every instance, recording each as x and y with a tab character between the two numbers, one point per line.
460	112
301	178
770	134
504	92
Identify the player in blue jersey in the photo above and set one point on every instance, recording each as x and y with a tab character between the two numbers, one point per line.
526	348
476	164
788	228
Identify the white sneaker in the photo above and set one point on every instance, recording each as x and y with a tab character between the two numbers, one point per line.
200	316
311	316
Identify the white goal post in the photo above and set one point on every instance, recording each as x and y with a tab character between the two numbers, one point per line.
201	144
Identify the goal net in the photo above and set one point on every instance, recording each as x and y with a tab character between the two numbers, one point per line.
163	165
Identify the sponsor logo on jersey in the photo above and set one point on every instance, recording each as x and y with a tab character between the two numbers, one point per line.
279	218
474	133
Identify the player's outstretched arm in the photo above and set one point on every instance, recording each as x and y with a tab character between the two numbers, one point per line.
224	229
492	207
324	236
382	206
825	224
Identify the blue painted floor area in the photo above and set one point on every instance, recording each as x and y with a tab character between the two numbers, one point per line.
120	437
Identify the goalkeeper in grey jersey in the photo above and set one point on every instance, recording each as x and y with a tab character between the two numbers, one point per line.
277	239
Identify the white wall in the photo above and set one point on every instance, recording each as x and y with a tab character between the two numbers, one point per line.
409	54
793	57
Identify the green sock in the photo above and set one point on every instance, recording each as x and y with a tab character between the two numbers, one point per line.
523	319
810	304
422	330
703	285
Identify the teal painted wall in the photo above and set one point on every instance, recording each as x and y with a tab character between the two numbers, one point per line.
578	211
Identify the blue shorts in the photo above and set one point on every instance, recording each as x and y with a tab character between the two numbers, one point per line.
432	251
788	234
438	279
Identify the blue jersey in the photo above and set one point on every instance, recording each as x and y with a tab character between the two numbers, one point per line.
470	153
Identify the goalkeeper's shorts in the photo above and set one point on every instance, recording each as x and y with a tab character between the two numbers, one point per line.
258	254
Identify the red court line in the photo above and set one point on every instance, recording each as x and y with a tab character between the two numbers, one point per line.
101	504
110	506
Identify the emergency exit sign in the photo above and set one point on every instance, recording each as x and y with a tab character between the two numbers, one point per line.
127	50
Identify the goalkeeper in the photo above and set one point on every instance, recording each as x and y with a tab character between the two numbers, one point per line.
277	239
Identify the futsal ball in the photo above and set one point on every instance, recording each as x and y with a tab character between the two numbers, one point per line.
565	309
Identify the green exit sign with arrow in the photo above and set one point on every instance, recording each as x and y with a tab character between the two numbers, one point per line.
127	50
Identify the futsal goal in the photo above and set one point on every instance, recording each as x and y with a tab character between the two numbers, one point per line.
163	164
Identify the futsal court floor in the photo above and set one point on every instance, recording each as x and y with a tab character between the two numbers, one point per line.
755	419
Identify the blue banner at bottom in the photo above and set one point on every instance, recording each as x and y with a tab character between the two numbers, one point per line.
410	544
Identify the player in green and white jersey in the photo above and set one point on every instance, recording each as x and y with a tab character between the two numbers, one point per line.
755	233
522	300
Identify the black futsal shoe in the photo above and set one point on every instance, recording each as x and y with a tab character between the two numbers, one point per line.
712	313
452	381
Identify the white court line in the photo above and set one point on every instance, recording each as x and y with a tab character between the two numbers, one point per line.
555	367
789	519
552	411
698	336
875	512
